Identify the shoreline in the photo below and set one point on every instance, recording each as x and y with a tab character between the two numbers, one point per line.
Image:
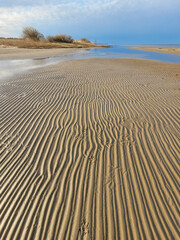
24	53
44	57
158	49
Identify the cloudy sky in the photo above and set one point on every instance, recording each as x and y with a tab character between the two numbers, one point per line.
109	21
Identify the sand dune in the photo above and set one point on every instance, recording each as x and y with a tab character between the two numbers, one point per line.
90	150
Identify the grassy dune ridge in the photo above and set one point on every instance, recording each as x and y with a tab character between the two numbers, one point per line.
28	43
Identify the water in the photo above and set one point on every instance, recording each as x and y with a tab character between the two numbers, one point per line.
118	51
12	67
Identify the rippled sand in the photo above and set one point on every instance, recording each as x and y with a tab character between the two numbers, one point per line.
89	150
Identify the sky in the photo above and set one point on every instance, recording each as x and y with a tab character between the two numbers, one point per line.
106	21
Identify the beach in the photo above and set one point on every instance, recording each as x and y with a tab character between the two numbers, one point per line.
9	53
90	150
159	49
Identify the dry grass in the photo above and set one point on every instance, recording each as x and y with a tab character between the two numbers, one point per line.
27	43
85	40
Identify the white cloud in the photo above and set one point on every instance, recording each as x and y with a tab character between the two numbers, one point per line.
16	14
12	19
29	2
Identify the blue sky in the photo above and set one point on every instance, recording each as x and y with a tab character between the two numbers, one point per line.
109	21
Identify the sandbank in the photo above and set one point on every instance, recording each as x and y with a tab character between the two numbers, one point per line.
160	49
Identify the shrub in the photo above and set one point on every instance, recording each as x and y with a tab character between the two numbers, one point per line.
85	40
32	33
60	38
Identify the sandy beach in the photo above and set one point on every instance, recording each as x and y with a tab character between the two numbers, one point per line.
160	49
90	150
24	53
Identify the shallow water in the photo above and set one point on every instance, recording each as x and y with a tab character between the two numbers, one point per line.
118	51
12	67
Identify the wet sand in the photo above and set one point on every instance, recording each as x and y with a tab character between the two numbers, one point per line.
23	53
169	50
89	150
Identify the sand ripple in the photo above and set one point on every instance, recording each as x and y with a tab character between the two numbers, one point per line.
90	150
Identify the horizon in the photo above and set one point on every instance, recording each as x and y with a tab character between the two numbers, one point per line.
111	22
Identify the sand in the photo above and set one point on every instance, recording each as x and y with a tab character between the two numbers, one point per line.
89	150
24	53
169	50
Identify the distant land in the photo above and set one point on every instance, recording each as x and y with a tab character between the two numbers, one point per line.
160	49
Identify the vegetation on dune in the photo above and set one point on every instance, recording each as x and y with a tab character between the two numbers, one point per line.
60	38
85	40
28	43
32	38
32	33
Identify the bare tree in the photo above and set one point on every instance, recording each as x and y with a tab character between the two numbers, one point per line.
32	33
